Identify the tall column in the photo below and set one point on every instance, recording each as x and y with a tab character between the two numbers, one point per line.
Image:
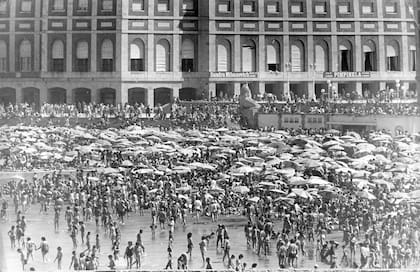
382	85
381	51
261	54
125	54
19	95
37	38
261	88
236	88
334	53
175	93
94	96
12	41
211	90
311	67
286	60
212	58
405	58
358	53
44	40
237	52
93	49
69	96
175	53
359	88
150	97
150	53
122	95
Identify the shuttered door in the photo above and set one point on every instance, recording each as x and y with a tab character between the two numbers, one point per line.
187	49
222	58
25	49
320	59
82	50
107	49
296	55
161	58
248	59
58	50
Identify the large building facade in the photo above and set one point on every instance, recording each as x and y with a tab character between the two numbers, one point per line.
153	51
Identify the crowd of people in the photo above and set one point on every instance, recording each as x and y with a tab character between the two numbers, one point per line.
293	192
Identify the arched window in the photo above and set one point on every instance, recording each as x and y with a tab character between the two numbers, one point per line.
163	56
137	56
3	56
297	57
248	56
187	55
107	56
223	57
58	5
321	57
369	56
273	56
82	56
25	54
57	56
393	56
345	49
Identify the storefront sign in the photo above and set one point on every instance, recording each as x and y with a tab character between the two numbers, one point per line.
234	74
346	74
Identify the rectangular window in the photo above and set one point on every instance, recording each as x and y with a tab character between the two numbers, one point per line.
273	8
137	65
321	8
393	63
297	8
107	5
187	65
344	8
58	5
137	5
224	7
3	6
58	65
391	8
188	5
367	8
26	6
82	5
3	65
163	5
249	7
273	67
26	64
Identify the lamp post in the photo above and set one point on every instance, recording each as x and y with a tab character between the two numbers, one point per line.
397	86
313	69
329	89
287	67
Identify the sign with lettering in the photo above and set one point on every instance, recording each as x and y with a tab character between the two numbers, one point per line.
234	74
346	74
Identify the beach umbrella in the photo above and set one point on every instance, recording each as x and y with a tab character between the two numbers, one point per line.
254	199
367	195
127	163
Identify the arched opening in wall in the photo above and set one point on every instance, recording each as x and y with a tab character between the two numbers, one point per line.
275	89
273	56
107	56
107	96
297	56
137	96
321	57
347	90
4	55
31	96
369	56
189	94
187	56
393	56
82	95
57	56
57	96
345	56
370	89
7	96
321	90
163	49
224	56
224	91
25	56
162	96
298	90
82	57
249	57
137	62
